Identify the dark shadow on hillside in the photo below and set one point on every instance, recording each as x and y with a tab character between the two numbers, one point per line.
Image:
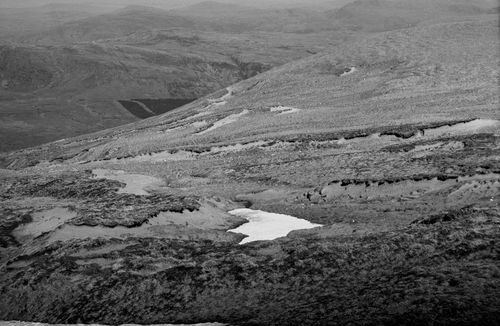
160	106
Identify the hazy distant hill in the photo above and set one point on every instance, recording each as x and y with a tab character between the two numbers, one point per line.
381	15
236	18
122	22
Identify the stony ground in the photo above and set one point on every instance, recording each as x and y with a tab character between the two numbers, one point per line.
410	204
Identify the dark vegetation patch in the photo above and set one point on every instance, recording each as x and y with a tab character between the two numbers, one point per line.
53	152
474	140
368	182
130	210
136	109
442	273
63	186
402	131
160	106
446	216
479	156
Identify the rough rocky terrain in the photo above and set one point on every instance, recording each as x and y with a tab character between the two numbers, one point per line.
398	159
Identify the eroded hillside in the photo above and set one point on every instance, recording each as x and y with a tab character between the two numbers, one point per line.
390	142
68	70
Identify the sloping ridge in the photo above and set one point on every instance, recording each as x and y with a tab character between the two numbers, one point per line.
422	75
379	15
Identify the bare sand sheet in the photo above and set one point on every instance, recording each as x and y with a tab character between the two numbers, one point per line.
163	156
210	222
478	125
137	184
372	140
227	120
352	70
284	109
236	147
44	221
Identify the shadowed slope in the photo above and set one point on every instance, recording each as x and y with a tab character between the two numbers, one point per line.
76	86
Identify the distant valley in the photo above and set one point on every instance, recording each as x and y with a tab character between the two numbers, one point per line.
68	80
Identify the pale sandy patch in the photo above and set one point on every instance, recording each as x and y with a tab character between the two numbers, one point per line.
353	69
284	109
197	115
137	184
227	120
372	139
236	147
478	125
44	221
199	124
209	221
161	157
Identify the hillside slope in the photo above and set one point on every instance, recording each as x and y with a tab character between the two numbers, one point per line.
76	86
390	142
383	15
422	75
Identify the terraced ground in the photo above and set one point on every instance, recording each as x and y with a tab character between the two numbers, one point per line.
398	159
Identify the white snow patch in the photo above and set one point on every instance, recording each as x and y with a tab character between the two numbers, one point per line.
227	120
284	109
267	226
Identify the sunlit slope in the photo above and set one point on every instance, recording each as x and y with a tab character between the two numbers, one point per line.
421	75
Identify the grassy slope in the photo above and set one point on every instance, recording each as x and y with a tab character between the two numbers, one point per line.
367	266
76	86
421	75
